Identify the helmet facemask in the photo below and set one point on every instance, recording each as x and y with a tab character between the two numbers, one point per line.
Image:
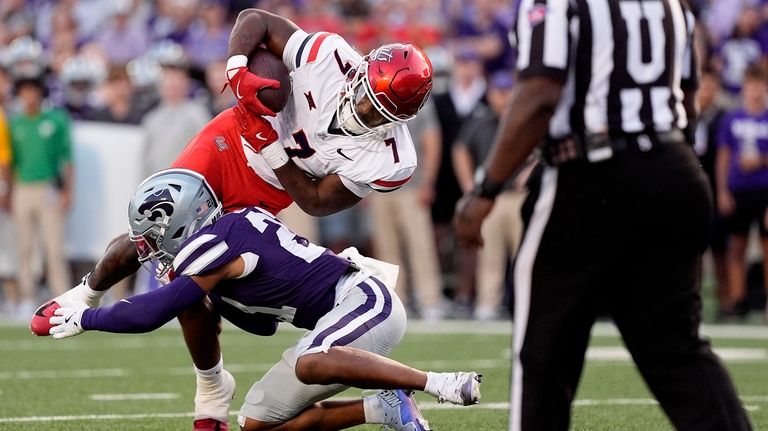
355	90
149	247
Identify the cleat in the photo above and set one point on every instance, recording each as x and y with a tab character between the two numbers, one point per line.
400	411
212	405
460	388
210	424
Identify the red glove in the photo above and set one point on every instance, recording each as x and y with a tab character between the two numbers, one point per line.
256	130
246	85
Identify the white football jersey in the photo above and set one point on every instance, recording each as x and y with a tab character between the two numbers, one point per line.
319	63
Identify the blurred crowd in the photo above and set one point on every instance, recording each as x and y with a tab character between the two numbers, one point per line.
159	65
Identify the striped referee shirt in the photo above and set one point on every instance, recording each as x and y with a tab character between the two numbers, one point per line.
625	63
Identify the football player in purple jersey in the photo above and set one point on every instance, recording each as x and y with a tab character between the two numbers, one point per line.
256	272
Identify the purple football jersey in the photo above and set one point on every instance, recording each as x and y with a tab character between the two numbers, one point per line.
286	278
745	134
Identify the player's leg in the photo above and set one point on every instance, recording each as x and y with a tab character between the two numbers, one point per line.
279	401
326	415
201	326
357	368
349	345
400	413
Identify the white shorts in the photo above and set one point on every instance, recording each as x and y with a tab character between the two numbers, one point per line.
368	315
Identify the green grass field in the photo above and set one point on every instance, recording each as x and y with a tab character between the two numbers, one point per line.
99	382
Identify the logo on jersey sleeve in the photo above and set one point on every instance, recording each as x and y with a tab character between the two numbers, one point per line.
221	142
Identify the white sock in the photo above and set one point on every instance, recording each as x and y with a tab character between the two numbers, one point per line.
373	412
212	377
210	399
434	382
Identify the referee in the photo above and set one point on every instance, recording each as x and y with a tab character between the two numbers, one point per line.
621	221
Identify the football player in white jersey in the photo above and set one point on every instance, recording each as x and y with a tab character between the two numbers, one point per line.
344	126
345	121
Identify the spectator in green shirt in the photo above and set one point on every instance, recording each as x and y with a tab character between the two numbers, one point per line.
42	183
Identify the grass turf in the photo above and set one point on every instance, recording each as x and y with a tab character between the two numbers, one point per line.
54	385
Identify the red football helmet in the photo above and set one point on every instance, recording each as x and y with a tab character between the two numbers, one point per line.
396	78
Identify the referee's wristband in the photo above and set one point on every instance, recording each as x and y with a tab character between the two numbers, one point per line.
485	187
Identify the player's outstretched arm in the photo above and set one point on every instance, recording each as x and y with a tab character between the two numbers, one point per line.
140	313
324	197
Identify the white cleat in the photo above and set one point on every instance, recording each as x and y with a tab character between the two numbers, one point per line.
400	411
460	388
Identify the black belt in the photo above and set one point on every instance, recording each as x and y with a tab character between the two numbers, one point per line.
601	146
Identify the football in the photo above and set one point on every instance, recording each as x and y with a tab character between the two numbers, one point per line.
39	324
267	65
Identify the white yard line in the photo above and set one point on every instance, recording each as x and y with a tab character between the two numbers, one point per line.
63	374
728	354
93	417
135	397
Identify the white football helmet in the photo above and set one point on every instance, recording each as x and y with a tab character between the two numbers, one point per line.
165	210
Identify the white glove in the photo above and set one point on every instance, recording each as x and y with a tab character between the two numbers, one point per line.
67	318
82	292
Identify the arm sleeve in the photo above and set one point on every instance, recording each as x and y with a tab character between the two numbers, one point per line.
543	39
146	312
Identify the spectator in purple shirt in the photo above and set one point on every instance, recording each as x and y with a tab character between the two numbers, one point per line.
122	39
742	175
486	31
743	48
208	38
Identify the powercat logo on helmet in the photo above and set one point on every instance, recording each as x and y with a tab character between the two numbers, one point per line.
158	205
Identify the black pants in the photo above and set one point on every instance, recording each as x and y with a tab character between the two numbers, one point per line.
622	237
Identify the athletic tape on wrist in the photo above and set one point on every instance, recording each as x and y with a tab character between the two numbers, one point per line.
275	155
235	62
